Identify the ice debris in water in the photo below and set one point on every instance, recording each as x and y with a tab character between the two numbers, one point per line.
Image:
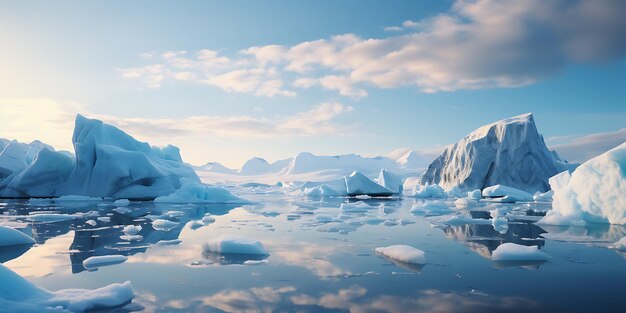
429	191
10	236
514	252
503	193
192	191
103	260
164	225
403	253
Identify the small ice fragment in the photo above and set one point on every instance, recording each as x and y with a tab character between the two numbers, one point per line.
104	260
403	253
514	252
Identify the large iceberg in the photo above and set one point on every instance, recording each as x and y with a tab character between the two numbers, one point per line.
258	166
390	181
510	152
32	170
594	193
110	163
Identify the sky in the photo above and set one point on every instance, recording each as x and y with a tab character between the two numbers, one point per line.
229	80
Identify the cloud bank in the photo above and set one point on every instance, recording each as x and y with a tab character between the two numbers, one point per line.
476	44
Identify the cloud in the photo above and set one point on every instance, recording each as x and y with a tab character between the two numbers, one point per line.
476	44
582	148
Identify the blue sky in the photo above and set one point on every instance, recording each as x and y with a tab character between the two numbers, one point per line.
227	80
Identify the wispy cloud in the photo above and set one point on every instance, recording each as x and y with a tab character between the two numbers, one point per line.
582	148
476	44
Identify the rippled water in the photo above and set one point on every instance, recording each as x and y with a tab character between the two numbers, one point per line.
321	259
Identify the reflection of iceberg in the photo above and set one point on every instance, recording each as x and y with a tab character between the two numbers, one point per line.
484	239
232	258
8	253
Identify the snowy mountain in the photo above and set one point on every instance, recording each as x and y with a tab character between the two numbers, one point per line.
215	167
509	152
257	166
306	162
413	160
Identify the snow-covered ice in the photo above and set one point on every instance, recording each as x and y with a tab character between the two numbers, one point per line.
131	229
390	181
164	225
429	191
227	244
19	295
503	193
593	193
514	252
403	253
358	184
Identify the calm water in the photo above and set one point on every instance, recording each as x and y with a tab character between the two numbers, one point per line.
321	259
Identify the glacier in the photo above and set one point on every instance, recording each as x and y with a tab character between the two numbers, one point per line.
593	193
509	152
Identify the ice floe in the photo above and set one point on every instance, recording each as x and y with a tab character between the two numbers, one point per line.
403	253
10	237
503	193
513	252
103	260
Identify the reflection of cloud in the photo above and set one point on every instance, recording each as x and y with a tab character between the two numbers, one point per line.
44	259
354	299
583	148
309	257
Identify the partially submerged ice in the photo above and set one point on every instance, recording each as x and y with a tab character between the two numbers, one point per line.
19	295
10	237
503	193
403	253
593	193
356	184
513	252
509	152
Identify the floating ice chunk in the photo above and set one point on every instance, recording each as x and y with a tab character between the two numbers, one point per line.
403	253
208	219
593	193
50	217
355	207
506	194
390	181
103	260
500	224
91	223
358	184
429	191
122	210
514	252
193	225
132	229
174	213
191	191
475	194
227	244
431	207
464	202
122	202
19	295
322	191
543	197
10	236
131	237
104	219
620	245
164	225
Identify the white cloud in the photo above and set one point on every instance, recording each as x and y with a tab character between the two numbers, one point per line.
476	44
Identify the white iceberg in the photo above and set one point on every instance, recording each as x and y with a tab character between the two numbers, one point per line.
431	207
544	197
429	191
191	191
593	193
110	163
514	252
103	260
227	244
19	295
131	230
509	152
358	184
475	194
403	253
503	193
390	181
10	237
122	202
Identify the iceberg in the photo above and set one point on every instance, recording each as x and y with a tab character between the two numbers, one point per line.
226	244
358	184
593	193
19	295
509	152
11	237
216	167
306	162
403	253
258	166
110	163
503	193
390	181
429	191
164	225
513	252
191	191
